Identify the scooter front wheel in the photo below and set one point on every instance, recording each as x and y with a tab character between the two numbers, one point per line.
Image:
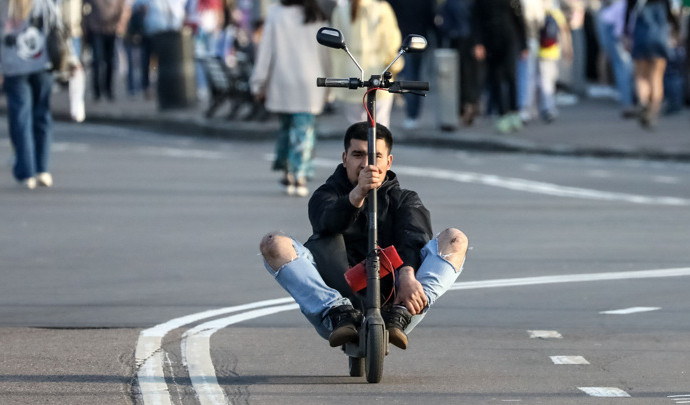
376	351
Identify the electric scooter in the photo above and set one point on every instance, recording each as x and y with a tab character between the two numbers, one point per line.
366	356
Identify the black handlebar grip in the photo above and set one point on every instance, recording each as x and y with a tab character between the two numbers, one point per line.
413	85
328	82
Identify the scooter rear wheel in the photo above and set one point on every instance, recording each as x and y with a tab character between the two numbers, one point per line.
376	351
356	366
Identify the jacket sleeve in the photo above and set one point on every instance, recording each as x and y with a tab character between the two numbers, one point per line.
479	17
262	66
413	229
330	213
519	18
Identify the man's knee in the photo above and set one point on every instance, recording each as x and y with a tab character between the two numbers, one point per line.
452	246
277	250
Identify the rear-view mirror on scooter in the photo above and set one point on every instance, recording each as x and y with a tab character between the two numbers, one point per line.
331	38
414	44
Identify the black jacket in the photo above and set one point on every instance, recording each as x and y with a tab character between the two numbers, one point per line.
499	25
403	220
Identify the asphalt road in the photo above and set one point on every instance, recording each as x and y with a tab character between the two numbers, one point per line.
136	279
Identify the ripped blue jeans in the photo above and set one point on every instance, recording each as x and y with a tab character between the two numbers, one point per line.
302	281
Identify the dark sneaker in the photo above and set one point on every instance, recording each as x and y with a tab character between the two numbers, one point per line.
346	321
396	318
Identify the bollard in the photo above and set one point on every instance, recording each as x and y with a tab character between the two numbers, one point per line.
447	88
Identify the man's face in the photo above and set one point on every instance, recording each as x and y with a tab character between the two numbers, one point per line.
355	158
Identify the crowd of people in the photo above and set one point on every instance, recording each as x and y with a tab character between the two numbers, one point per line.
513	56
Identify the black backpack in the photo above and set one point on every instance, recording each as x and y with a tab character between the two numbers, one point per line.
548	34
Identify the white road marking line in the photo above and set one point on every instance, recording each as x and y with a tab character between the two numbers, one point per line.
529	186
149	344
632	310
196	353
570	360
69	147
181	153
604	391
544	334
666	179
572	278
149	357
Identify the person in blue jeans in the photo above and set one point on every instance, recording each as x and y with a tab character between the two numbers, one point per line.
610	22
313	273
27	83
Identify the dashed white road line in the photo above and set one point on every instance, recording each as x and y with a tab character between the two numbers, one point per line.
569	360
604	391
544	334
628	311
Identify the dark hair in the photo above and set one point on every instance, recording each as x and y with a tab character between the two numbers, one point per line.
360	131
312	11
354	10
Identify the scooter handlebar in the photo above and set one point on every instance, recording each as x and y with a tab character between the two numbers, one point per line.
403	85
329	82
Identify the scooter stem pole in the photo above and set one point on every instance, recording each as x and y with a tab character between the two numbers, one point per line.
373	264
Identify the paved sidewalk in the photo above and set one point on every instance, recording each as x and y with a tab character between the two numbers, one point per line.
592	127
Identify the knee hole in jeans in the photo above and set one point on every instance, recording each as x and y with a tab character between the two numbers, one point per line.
452	246
277	249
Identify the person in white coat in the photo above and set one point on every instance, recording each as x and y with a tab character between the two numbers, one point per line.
372	35
287	64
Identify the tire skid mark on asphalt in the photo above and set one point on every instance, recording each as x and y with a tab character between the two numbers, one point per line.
196	353
149	357
196	344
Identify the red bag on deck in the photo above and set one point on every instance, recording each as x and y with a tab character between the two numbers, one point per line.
356	276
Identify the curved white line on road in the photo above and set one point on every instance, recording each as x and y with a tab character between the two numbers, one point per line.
196	353
149	358
529	186
572	278
151	378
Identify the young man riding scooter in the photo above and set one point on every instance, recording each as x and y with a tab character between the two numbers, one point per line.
313	273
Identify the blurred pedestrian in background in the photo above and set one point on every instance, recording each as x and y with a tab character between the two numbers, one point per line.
138	46
100	23
71	17
28	83
372	36
207	19
649	24
414	17
499	34
554	42
573	72
456	27
610	23
527	70
287	64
